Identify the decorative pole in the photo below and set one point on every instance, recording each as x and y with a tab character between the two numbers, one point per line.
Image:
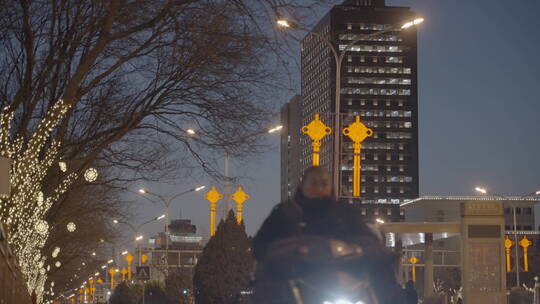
129	259
413	261
316	130
92	289
508	246
213	197
240	197
525	243
357	132
123	271
112	272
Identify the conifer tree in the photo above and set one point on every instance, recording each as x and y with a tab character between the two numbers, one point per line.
226	266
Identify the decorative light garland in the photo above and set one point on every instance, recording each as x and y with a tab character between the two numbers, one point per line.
31	161
71	227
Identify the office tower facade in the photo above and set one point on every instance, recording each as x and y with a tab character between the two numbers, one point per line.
379	84
290	147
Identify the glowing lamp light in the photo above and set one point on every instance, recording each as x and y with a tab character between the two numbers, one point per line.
275	129
283	23
57	264
40	198
199	188
190	131
63	166
142	191
42	227
90	175
55	252
481	190
71	227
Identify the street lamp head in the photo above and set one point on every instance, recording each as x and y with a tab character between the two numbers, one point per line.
380	221
537	192
96	274
142	191
160	217
124	252
110	261
140	237
411	23
275	129
191	131
115	221
197	189
481	190
283	22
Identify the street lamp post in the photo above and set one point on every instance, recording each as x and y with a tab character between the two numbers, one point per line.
338	57
227	154
136	229
516	257
167	203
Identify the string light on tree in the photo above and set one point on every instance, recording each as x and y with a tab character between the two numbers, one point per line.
57	264
55	252
90	175
32	156
71	227
42	227
63	166
40	198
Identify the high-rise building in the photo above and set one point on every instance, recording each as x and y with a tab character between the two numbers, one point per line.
379	84
290	147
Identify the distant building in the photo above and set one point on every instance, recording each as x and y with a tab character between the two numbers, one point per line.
446	209
378	83
184	248
290	147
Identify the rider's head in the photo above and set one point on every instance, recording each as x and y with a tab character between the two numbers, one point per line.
316	183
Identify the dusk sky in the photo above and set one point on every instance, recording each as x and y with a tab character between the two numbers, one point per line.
479	78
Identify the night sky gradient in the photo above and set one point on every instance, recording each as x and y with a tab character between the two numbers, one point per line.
479	104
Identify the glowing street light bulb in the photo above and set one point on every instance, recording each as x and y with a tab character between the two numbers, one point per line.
140	237
283	23
93	254
190	131
142	191
125	252
199	188
537	192
481	190
418	20
275	129
380	221
110	261
96	274
104	266
115	221
160	217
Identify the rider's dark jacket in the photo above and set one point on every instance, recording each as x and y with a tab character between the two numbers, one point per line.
326	217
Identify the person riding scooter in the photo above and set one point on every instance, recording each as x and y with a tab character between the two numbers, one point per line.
288	237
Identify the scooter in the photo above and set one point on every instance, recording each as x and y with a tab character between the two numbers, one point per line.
324	271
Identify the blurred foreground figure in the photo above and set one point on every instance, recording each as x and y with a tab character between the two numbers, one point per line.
312	249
